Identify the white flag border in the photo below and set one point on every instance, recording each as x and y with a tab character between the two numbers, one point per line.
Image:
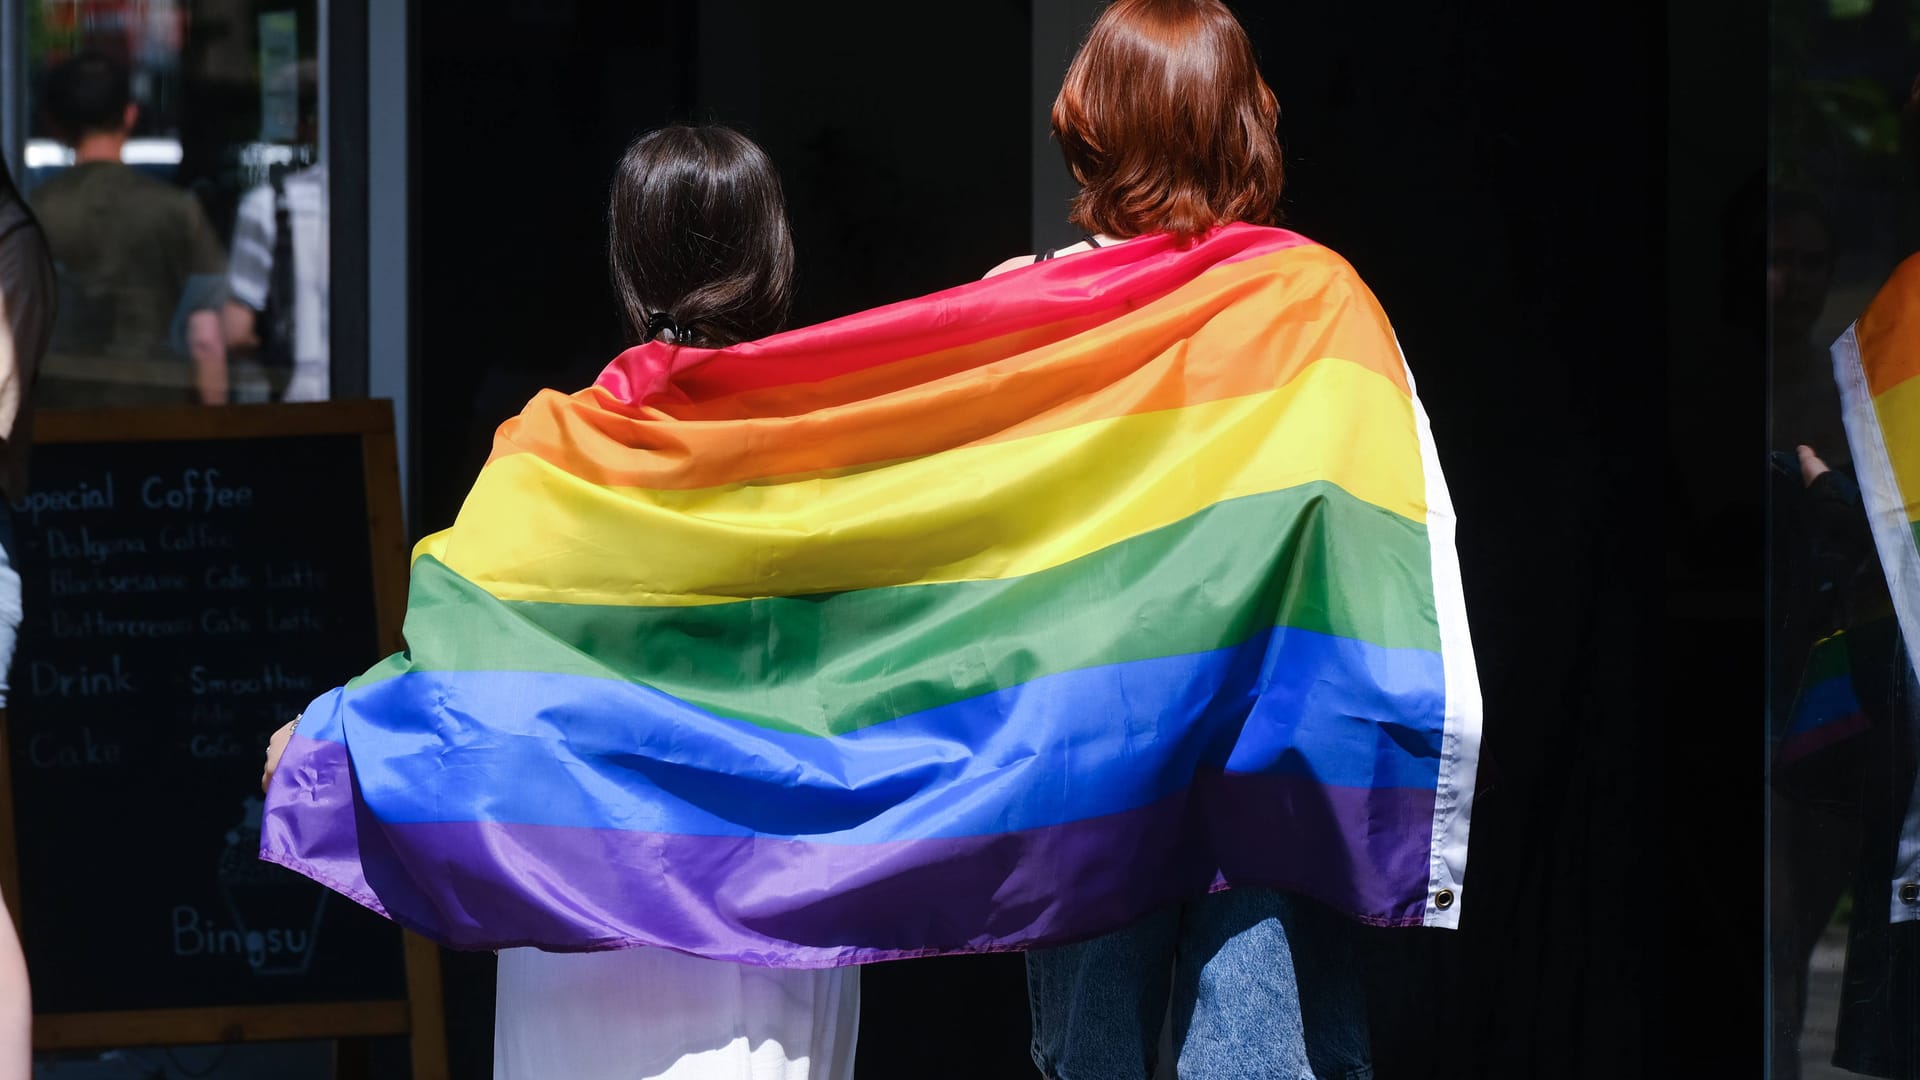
1460	742
1899	550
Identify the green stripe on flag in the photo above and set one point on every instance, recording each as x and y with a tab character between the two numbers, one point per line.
1310	557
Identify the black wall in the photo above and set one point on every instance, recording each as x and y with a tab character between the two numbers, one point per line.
903	156
1498	181
1509	183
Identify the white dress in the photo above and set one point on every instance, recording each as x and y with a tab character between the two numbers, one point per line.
655	1014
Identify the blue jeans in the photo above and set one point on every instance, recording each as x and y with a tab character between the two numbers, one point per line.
1262	985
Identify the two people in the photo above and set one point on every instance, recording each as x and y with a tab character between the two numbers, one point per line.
145	282
1169	129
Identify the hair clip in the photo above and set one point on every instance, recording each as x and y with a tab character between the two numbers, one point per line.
660	321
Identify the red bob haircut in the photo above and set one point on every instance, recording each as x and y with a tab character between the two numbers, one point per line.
1166	123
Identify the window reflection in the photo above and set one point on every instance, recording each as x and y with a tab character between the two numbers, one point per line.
1844	446
173	160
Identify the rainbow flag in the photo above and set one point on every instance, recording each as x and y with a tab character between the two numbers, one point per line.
1826	708
1877	364
987	620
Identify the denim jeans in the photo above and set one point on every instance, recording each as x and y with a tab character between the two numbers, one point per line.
1261	984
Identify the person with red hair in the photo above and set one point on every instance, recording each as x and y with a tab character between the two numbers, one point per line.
1168	127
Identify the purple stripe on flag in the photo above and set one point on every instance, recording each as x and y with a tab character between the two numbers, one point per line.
787	903
1805	742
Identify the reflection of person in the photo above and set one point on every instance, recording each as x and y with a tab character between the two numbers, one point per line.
26	324
278	282
1168	127
279	275
1814	803
140	267
1799	271
1863	513
700	255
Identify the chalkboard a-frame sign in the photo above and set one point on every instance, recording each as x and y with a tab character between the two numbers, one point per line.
192	578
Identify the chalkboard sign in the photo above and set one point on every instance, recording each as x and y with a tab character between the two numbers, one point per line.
192	578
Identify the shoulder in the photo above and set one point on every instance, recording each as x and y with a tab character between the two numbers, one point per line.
1300	255
140	185
1027	260
313	178
256	206
1906	276
1011	264
52	192
1897	303
139	194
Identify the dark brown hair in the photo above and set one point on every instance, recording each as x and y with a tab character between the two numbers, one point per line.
698	234
1166	123
87	93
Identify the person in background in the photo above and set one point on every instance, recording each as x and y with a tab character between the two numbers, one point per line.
1878	1033
27	293
1814	796
1169	128
277	281
141	270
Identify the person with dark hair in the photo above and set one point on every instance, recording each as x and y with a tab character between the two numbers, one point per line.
1168	127
701	256
1858	531
26	323
699	249
1822	765
140	267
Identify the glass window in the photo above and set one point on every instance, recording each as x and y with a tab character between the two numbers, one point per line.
173	159
1842	221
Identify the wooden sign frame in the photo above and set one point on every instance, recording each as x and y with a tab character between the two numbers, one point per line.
421	1015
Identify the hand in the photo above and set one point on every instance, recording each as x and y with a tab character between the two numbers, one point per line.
206	343
1811	467
276	746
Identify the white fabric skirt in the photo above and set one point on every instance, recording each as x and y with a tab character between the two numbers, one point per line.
655	1014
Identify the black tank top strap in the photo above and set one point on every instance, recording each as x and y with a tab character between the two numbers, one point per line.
1091	242
1044	256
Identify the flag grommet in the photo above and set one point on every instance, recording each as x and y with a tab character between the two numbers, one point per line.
1444	899
1910	893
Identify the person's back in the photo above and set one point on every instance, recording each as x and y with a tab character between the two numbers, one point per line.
127	246
700	255
277	279
136	257
277	285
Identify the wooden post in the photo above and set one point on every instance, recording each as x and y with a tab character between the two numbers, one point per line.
352	1059
426	1009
